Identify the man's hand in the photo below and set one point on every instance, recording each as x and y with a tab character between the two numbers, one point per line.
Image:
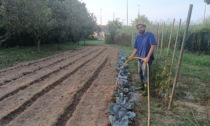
130	57
146	60
149	54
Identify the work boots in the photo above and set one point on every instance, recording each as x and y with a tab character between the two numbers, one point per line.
142	88
145	90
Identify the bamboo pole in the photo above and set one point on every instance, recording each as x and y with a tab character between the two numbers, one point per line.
148	96
176	41
169	43
157	37
166	58
154	28
162	38
132	40
174	52
181	55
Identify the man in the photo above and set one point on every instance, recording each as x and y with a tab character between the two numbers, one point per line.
144	47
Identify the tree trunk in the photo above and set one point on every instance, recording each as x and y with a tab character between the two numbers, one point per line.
4	38
38	45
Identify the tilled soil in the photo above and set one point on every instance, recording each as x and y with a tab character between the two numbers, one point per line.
68	89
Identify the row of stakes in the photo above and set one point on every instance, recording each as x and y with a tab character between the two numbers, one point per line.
125	96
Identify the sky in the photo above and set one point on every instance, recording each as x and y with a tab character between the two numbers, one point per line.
155	10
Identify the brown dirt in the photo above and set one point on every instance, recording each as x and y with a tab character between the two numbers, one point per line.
100	92
8	75
35	77
72	88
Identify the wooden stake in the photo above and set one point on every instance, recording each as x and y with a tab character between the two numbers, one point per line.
176	41
132	40
172	62
166	58
169	43
157	37
181	54
161	44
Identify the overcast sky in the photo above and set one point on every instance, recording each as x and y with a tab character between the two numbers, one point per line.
155	10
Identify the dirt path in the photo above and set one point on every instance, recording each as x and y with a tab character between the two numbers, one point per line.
71	88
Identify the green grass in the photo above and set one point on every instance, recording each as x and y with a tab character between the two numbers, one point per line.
12	56
15	55
193	65
92	42
196	66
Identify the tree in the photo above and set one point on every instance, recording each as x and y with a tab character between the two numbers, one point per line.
44	21
73	21
207	1
141	19
113	27
26	16
8	19
39	22
89	27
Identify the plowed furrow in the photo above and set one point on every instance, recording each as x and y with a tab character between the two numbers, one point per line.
9	90
55	101
92	108
12	115
62	120
13	75
34	62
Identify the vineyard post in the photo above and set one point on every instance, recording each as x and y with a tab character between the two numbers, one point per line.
181	54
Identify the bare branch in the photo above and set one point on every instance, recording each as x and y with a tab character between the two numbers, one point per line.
2	37
5	38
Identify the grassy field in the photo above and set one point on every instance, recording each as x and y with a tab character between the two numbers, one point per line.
191	107
15	55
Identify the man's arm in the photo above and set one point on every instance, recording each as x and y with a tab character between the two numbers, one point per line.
133	54
152	48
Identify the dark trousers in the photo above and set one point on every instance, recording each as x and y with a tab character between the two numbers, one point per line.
143	71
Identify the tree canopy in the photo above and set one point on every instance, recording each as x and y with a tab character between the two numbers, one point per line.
207	1
113	27
29	22
141	19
